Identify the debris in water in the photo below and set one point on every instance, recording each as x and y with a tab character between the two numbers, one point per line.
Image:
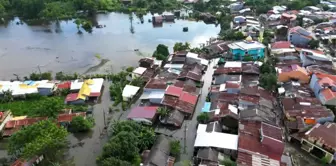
185	29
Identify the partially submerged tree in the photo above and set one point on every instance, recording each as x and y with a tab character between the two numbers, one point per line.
179	46
79	124
163	111
203	118
175	148
161	52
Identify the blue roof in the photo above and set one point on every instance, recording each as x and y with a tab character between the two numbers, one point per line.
28	82
206	107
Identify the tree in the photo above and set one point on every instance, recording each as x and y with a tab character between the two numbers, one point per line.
79	124
203	118
130	69
228	162
161	52
268	81
163	111
313	44
112	161
42	138
175	148
7	96
57	10
179	46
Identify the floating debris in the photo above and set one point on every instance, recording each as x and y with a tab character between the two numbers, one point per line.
185	29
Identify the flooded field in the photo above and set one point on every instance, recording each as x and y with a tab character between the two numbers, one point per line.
58	47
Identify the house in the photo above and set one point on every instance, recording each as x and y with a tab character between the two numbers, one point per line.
19	88
207	156
280	47
191	72
90	90
293	72
259	144
187	103
236	6
307	108
171	96
168	16
250	68
258	113
159	153
225	113
146	62
324	87
138	72
16	123
32	162
66	118
210	136
298	36
312	9
64	85
46	88
295	89
76	85
74	98
314	57
248	48
129	92
157	19
287	18
320	141
193	58
224	78
146	115
239	19
175	119
189	86
229	87
154	91
295	126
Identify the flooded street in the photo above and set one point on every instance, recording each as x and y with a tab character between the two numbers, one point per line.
56	48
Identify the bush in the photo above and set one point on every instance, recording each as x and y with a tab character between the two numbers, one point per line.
203	118
79	124
130	69
175	148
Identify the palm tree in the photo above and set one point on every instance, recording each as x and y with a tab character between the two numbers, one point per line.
163	111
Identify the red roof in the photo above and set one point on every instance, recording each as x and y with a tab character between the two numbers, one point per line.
64	85
281	44
322	75
155	83
174	91
248	98
190	98
143	112
68	117
271	131
232	85
328	94
249	139
325	133
71	97
10	124
185	107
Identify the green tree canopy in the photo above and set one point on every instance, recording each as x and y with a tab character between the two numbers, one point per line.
268	81
179	46
161	52
57	10
313	44
42	138
79	124
203	118
175	148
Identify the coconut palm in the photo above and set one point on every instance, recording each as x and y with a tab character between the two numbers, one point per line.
163	111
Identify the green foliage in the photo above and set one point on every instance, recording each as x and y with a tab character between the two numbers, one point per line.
268	81
129	138
231	35
57	10
313	44
248	58
179	46
42	76
130	69
79	124
63	77
298	4
203	118
85	24
228	162
36	106
175	148
163	111
161	52
44	137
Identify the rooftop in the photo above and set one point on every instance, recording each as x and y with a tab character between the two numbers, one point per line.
174	91
130	90
326	134
328	94
246	45
156	83
143	112
233	64
281	45
139	70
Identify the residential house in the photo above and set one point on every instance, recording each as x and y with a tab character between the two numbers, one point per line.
229	87
192	72
224	78
320	141
178	60
258	113
172	95
193	58
230	98
187	103
46	88
247	49
159	153
138	72
189	86
129	92
312	9
225	113
146	62
207	156
307	108
239	19
76	85
250	68
324	87
280	47
89	91
16	123
174	119
210	136
154	91
295	89
65	119
32	162
298	36
293	72
236	6
64	85
288	19
259	143
146	114
314	57
168	16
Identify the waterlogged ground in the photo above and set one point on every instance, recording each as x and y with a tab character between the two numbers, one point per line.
58	47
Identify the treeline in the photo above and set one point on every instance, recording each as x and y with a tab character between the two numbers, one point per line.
65	9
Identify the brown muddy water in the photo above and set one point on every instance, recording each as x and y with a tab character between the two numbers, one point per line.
59	48
56	48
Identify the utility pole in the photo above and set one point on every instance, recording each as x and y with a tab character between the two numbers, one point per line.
104	118
38	67
185	137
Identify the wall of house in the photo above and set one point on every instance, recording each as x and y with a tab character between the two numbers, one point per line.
45	91
239	54
287	76
77	102
156	100
313	81
325	119
297	39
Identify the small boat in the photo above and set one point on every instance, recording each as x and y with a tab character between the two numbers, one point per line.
185	29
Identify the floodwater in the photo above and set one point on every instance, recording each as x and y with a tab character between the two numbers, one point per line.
58	47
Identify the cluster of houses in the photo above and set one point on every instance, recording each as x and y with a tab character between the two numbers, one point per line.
307	90
175	88
244	115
